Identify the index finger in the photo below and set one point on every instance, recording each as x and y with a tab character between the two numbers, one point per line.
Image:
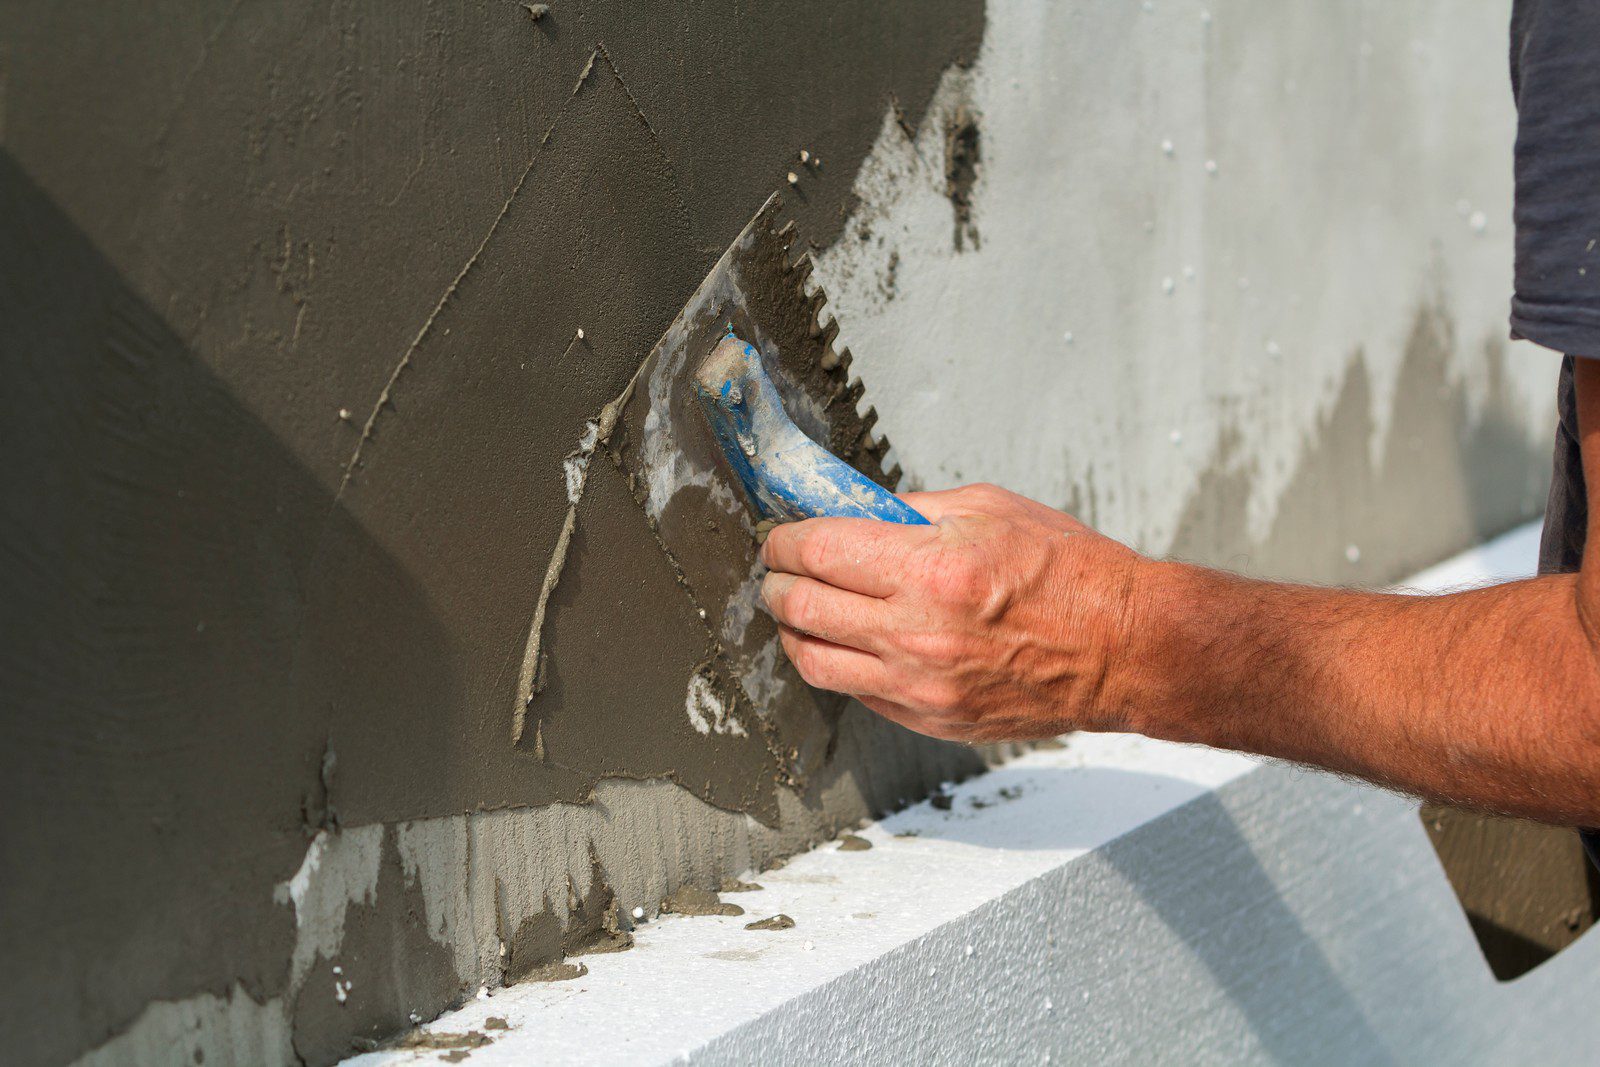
866	556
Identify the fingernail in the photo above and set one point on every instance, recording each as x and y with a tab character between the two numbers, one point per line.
774	584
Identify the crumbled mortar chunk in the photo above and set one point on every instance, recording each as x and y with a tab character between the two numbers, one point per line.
692	900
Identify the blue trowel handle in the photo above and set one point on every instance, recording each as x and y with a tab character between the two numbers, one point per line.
785	474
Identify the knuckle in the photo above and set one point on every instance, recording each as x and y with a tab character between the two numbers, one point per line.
988	491
934	648
804	658
961	578
816	548
799	606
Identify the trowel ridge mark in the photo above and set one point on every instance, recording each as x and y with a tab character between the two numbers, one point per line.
385	397
655	139
530	682
588	68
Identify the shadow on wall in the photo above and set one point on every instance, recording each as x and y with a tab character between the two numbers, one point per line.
159	775
1448	476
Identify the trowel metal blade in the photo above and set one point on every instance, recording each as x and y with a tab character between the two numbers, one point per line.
658	435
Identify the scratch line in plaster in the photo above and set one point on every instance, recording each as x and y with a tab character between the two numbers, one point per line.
530	682
588	68
384	397
639	113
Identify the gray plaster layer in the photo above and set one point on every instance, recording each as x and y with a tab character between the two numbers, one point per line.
302	314
468	885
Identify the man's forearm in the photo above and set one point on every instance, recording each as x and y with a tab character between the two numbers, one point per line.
1488	698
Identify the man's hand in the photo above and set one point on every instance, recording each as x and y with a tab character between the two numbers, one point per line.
1004	620
1007	620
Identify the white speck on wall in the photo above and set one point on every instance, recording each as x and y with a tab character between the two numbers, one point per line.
1211	166
1067	337
1168	285
707	713
1479	222
1176	437
1272	349
1167	147
1352	553
638	913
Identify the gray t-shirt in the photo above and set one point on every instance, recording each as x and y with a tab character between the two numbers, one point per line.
1555	80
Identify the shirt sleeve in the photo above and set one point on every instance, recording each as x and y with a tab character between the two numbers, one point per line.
1555	77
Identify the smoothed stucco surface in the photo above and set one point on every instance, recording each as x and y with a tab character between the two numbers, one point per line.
303	311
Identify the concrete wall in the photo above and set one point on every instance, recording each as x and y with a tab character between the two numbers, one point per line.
293	300
1235	283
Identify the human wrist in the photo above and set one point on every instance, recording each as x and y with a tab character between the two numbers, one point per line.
1177	616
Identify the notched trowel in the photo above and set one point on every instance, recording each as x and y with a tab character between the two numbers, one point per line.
742	414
